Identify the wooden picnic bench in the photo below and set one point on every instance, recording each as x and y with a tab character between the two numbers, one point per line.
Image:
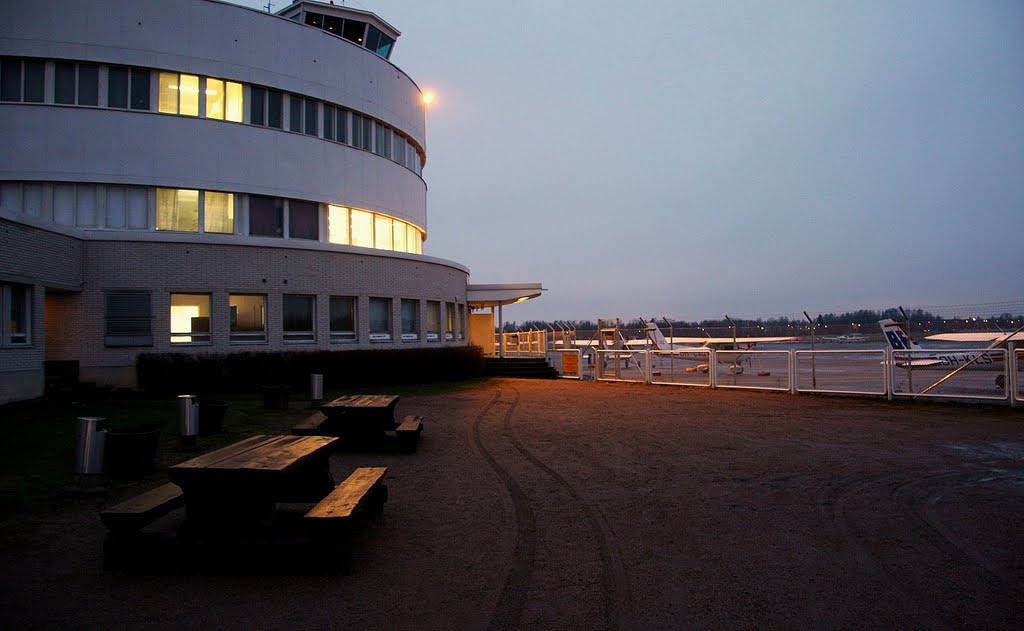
361	494
231	498
407	434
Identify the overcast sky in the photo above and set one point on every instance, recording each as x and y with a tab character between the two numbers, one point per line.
691	159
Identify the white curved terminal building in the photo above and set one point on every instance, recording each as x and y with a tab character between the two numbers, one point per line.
194	175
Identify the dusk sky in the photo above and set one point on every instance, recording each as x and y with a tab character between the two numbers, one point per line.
691	159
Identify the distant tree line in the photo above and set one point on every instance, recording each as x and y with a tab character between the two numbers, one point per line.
860	321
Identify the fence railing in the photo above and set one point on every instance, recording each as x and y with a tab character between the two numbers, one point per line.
995	375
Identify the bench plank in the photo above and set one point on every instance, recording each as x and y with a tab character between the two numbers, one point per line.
224	453
346	498
139	511
310	426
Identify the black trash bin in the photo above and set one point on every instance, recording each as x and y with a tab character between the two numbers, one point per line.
211	416
130	452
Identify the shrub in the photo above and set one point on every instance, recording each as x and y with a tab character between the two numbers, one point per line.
244	372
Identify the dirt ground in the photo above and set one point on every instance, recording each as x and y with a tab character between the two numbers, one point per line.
581	505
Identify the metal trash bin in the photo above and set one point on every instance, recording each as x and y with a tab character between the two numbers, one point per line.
188	415
316	389
90	440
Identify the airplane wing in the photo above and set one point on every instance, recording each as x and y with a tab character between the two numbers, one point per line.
745	340
976	336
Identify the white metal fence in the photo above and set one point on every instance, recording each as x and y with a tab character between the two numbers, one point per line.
972	375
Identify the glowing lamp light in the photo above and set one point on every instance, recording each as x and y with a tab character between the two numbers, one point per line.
428	98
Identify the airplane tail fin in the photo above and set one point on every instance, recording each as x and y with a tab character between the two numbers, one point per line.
896	336
657	338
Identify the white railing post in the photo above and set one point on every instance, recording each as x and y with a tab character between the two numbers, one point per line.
713	368
792	370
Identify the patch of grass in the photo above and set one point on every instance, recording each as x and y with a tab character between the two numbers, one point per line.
38	446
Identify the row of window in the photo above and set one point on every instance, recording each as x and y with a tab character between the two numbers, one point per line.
211	212
87	84
128	319
15	315
355	31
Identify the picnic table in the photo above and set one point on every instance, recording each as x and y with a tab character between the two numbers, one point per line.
363	409
245	481
231	498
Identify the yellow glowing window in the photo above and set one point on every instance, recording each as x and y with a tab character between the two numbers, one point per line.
399	236
233	101
168	103
414	243
219	212
337	224
362	228
382	227
190	318
215	99
188	89
177	209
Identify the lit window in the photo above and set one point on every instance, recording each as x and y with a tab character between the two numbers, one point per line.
433	320
234	101
337	224
215	99
177	209
382	231
343	319
414	240
380	319
362	228
190	318
449	328
248	317
16	301
298	317
218	212
179	94
399	233
410	319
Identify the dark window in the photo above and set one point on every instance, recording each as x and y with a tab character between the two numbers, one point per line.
64	83
117	87
315	19
88	84
311	117
297	318
266	216
128	319
140	89
328	122
355	31
341	128
380	318
275	106
10	80
295	113
343	318
384	47
332	24
256	106
35	72
303	222
372	38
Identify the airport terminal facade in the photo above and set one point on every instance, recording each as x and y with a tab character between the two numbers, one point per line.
197	176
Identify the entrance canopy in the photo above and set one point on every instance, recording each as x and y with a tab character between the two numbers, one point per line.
483	296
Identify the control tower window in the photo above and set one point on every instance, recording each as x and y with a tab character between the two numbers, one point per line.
333	24
354	31
315	19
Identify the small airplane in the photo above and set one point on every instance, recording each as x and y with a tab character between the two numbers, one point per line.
657	341
847	338
899	340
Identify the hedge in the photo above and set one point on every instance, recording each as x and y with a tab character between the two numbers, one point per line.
202	373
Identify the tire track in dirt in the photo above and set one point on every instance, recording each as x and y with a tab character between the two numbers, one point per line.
914	521
510	605
615	592
614	583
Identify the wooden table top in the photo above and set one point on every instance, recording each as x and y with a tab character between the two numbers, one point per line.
256	454
362	401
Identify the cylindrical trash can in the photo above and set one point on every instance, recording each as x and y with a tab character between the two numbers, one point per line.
90	440
316	389
188	415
